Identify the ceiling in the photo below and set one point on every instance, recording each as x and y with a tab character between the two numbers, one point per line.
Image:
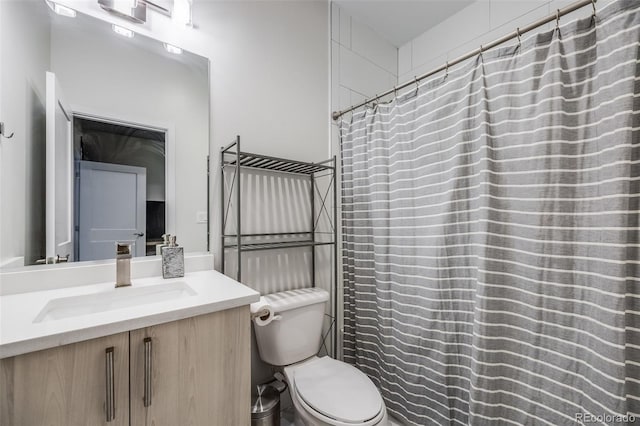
399	21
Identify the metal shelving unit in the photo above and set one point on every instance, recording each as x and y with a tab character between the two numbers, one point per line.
233	160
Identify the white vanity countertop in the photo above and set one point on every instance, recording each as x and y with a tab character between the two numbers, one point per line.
21	332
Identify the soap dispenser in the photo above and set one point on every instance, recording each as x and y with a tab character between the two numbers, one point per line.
165	243
172	260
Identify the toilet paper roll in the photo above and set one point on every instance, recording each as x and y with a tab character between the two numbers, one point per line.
262	313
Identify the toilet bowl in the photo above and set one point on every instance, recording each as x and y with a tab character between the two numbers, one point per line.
324	391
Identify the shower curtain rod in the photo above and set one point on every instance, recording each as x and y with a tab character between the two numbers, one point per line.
517	33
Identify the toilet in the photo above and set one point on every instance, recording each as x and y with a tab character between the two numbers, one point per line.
324	391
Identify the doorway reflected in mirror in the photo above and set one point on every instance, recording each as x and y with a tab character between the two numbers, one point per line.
119	187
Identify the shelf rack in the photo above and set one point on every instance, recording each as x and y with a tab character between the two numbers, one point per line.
233	160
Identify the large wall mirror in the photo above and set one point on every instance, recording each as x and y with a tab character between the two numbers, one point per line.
110	139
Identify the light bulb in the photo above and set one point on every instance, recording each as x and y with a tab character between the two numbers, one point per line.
122	31
172	49
61	10
182	12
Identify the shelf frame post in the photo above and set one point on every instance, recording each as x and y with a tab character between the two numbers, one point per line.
238	211
222	219
335	258
312	182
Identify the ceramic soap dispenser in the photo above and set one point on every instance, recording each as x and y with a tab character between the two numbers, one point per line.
172	260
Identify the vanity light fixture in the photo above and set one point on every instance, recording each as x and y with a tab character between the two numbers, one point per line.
131	10
61	10
172	49
122	31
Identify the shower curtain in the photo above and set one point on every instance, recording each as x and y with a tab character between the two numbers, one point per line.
491	237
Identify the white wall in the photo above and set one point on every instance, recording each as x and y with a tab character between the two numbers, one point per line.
269	70
269	84
479	23
111	76
24	43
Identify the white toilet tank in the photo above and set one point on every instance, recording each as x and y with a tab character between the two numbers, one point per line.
297	335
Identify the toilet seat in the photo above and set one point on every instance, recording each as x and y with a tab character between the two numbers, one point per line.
337	393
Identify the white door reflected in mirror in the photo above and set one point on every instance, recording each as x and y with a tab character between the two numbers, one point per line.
59	173
111	208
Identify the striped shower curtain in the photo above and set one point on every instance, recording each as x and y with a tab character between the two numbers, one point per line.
491	237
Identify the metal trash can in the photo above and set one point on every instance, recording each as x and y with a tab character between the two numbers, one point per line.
265	407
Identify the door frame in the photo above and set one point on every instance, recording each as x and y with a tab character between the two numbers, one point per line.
54	101
139	122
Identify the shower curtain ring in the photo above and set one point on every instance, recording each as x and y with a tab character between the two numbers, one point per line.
395	91
415	80
558	19
593	4
518	34
446	69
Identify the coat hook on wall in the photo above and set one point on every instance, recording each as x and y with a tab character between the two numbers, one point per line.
2	132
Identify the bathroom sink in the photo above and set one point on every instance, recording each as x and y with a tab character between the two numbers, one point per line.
117	298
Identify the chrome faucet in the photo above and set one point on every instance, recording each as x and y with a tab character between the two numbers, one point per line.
123	265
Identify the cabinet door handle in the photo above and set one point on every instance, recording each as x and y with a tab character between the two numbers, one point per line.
110	405
148	368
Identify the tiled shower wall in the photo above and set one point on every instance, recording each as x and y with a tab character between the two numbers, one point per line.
479	23
363	63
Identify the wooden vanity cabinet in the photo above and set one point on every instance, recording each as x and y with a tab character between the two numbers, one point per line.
66	385
200	371
194	372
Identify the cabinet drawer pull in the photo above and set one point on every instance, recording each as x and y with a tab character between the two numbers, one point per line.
110	405
147	371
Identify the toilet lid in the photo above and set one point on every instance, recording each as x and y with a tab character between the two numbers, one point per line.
338	390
